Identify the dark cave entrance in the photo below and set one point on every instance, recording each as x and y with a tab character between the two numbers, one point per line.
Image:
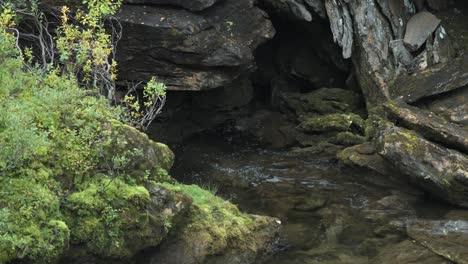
302	57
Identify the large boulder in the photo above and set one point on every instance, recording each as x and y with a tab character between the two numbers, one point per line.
428	124
438	170
191	51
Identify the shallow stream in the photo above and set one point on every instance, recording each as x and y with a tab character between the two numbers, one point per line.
329	214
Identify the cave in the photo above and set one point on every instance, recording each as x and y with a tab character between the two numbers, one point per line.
293	131
302	57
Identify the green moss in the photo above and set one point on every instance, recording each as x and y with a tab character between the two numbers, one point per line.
216	222
332	122
70	172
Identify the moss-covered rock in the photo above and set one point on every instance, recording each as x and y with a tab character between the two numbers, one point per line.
440	171
332	122
78	185
215	231
324	101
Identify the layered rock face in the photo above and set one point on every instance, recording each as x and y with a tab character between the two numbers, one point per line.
411	53
190	50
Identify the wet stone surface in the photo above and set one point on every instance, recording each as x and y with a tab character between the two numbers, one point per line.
329	214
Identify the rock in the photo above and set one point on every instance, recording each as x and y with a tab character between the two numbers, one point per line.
342	28
395	206
323	148
237	94
445	238
437	170
323	101
347	139
372	35
407	252
194	5
318	7
353	156
453	106
310	204
443	50
456	215
295	9
438	4
419	28
429	125
438	79
269	128
191	51
398	12
299	10
216	232
332	122
401	54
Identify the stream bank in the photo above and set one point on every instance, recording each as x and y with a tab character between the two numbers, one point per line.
330	213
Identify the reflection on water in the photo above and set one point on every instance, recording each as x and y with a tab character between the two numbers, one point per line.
329	214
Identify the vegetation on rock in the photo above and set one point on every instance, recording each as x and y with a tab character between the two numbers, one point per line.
75	180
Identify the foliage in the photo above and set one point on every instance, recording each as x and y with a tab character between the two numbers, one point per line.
83	47
61	160
154	98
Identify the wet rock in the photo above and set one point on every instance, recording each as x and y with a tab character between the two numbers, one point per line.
322	148
407	252
393	206
419	28
453	106
332	122
442	172
191	51
428	124
194	5
457	214
445	238
354	156
347	139
438	79
323	101
310	204
269	128
194	245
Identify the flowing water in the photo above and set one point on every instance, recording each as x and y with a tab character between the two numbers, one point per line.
329	214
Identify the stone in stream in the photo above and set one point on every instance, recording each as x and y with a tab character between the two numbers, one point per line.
429	125
446	238
438	170
407	252
194	5
191	51
419	28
